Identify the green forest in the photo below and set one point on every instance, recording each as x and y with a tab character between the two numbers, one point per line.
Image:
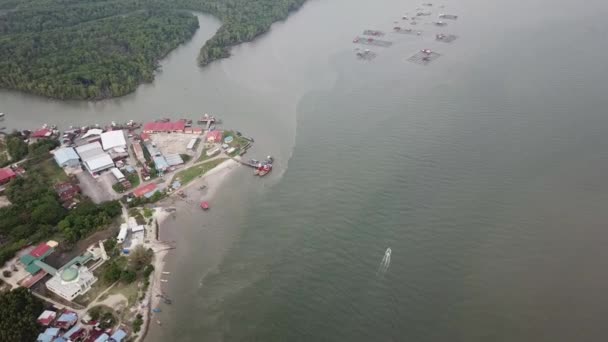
85	49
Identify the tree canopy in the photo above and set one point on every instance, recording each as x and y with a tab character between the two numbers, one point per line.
85	49
19	310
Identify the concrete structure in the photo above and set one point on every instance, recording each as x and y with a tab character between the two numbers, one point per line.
191	144
214	137
117	174
71	282
66	157
74	278
164	127
113	139
122	234
6	175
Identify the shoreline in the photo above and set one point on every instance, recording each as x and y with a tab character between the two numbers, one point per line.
213	179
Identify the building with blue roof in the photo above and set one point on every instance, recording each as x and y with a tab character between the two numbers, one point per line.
102	338
66	156
44	338
51	331
74	332
66	320
161	163
118	336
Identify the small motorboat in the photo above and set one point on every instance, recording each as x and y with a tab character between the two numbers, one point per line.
205	205
1	115
264	170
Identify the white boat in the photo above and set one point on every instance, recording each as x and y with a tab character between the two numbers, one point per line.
1	115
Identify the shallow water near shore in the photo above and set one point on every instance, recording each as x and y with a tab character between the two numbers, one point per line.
483	172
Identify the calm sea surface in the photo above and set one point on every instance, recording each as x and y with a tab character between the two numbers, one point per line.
484	172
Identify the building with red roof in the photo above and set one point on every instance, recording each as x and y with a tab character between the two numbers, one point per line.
46	317
214	136
142	190
164	127
40	250
42	133
6	175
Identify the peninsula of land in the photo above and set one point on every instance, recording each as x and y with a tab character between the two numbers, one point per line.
103	49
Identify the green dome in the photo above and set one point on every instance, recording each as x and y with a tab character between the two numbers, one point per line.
69	274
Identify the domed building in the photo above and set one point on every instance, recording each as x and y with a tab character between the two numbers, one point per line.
74	278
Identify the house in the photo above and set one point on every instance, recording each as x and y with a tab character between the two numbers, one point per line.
74	333
66	320
42	133
46	317
48	335
214	137
66	156
164	127
118	336
6	175
143	190
102	338
99	163
191	144
160	163
93	134
113	139
66	191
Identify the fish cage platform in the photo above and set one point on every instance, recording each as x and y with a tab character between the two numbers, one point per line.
424	58
365	55
446	38
403	30
372	41
374	33
448	16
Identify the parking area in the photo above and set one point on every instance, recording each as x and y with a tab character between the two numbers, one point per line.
100	189
169	143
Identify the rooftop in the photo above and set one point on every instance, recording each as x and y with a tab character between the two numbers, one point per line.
65	154
42	133
113	139
164	126
6	173
142	190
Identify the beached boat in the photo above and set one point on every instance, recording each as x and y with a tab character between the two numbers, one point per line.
264	170
205	205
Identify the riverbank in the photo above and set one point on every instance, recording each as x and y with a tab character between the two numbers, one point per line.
163	244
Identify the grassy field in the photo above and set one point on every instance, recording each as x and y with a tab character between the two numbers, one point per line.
188	175
51	170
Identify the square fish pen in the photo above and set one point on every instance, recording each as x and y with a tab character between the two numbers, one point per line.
446	38
372	41
424	57
403	30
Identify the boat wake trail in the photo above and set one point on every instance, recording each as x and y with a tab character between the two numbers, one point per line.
385	263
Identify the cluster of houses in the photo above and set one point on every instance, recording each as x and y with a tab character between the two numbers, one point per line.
63	326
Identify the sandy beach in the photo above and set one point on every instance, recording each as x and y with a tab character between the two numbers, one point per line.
193	196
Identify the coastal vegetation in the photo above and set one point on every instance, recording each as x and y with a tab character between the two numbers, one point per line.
36	213
70	49
18	312
188	175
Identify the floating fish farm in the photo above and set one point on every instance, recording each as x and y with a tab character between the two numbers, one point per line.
448	16
424	57
446	38
372	41
403	30
374	33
